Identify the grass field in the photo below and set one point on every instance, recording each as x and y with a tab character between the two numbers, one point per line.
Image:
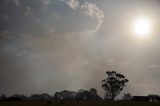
119	103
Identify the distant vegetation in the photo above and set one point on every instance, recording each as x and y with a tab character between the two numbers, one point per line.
113	84
81	95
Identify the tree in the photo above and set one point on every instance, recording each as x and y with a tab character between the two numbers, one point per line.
3	97
154	98
127	96
65	95
113	84
17	97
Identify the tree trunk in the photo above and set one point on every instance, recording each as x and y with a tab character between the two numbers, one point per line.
112	98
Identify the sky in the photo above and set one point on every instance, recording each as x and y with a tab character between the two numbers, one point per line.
54	45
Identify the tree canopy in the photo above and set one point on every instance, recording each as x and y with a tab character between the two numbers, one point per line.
113	84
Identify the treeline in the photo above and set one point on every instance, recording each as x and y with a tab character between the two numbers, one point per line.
81	95
149	98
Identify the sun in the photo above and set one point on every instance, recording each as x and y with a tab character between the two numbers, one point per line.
142	27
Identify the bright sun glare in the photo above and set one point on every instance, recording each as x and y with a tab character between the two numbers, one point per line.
142	27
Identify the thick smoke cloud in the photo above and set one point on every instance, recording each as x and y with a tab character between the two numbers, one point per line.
44	46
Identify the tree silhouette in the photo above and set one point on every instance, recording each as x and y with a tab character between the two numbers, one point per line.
113	84
127	96
154	98
3	97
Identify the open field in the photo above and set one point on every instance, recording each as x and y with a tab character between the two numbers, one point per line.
119	103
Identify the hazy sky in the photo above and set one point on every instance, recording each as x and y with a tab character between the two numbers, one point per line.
53	45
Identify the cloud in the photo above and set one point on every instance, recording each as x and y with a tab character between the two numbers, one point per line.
46	2
24	53
90	9
49	30
27	54
74	4
7	34
124	64
93	11
28	11
17	2
114	64
6	18
154	66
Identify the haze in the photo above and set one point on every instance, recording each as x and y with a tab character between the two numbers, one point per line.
53	45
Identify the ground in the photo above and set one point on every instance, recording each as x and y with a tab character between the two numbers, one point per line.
119	103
